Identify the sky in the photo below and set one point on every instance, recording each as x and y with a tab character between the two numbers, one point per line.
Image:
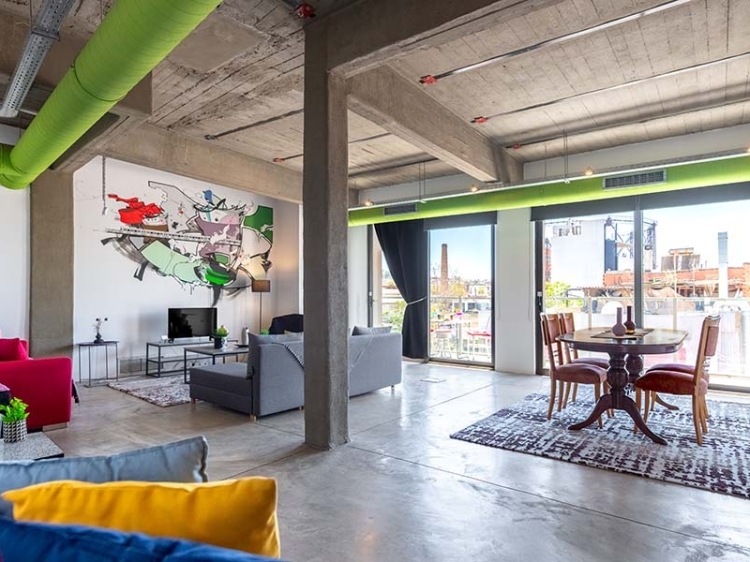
469	251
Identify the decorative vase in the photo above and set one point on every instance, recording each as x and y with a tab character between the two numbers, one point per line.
629	324
619	328
14	432
98	338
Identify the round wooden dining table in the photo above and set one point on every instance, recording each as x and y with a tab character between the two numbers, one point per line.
625	366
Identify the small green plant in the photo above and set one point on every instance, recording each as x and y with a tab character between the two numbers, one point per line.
15	411
221	332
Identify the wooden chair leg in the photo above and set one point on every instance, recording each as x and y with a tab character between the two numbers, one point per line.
638	400
696	420
552	388
611	411
597	395
567	394
575	391
647	405
704	414
561	391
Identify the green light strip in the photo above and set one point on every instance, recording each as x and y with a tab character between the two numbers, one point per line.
682	176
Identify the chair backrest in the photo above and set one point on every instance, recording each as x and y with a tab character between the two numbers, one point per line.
286	323
706	347
568	327
551	329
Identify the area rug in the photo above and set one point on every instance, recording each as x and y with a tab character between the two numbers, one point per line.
164	392
722	464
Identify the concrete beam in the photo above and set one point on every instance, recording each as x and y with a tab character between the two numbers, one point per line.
148	145
367	34
388	99
325	208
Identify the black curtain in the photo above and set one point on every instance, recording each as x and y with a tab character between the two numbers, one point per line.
404	246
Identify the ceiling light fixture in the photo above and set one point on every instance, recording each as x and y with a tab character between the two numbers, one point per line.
369	203
588	171
43	33
474	188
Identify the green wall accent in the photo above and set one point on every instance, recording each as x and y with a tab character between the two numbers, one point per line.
134	37
683	176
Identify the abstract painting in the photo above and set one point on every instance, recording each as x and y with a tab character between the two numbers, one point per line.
199	240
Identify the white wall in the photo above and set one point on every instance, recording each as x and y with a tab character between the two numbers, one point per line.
515	311
14	254
357	276
137	310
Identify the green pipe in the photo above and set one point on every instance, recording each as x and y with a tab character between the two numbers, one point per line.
682	176
135	36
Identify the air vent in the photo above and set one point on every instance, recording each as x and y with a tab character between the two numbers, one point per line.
400	209
632	180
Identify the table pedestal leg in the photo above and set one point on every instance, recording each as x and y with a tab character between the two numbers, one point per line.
619	378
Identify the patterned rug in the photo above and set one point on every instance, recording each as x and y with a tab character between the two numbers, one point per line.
164	392
722	464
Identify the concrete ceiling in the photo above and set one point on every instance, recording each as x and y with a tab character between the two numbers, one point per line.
243	69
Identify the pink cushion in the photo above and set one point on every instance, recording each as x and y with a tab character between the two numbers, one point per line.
679	367
671	382
581	373
13	349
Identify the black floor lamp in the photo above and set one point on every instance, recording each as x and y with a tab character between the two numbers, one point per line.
261	286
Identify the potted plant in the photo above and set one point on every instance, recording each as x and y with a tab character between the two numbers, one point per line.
14	420
220	337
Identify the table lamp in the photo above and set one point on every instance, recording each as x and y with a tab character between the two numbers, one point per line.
261	286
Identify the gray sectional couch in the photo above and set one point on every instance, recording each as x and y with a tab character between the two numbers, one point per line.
273	378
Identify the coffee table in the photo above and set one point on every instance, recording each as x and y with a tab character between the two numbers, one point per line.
35	447
211	351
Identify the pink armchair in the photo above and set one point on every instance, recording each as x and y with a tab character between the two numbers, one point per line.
44	384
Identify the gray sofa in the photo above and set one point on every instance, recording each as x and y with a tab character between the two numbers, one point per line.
273	378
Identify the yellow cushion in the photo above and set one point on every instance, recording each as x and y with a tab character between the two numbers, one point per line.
238	514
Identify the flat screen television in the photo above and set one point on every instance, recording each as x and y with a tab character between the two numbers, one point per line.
191	322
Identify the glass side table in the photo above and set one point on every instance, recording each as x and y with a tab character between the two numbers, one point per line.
88	346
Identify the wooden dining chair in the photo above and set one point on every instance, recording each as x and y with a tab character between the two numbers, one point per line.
563	374
695	384
571	354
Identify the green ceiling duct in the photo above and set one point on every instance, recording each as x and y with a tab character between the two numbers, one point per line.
682	176
135	36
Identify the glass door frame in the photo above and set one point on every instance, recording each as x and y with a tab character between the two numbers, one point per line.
635	204
465	222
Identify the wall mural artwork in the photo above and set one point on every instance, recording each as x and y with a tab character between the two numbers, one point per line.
199	241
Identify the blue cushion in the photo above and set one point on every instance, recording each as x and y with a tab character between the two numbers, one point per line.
181	461
37	542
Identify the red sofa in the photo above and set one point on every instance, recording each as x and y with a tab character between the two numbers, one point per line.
44	384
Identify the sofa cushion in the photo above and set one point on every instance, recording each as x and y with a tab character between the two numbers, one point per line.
369	330
181	461
229	377
13	349
37	542
239	514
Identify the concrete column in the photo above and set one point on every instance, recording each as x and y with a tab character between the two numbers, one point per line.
52	247
325	199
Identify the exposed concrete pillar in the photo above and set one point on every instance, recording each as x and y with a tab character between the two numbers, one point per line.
325	201
52	246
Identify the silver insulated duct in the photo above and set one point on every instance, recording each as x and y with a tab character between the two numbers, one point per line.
45	31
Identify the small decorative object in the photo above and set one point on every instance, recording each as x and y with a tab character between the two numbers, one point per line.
619	328
220	337
14	420
98	326
629	324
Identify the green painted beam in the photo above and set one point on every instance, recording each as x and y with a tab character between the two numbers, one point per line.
681	176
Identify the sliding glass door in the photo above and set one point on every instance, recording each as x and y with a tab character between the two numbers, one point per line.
698	263
461	281
675	257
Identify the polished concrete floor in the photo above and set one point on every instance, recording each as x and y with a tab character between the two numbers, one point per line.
403	490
